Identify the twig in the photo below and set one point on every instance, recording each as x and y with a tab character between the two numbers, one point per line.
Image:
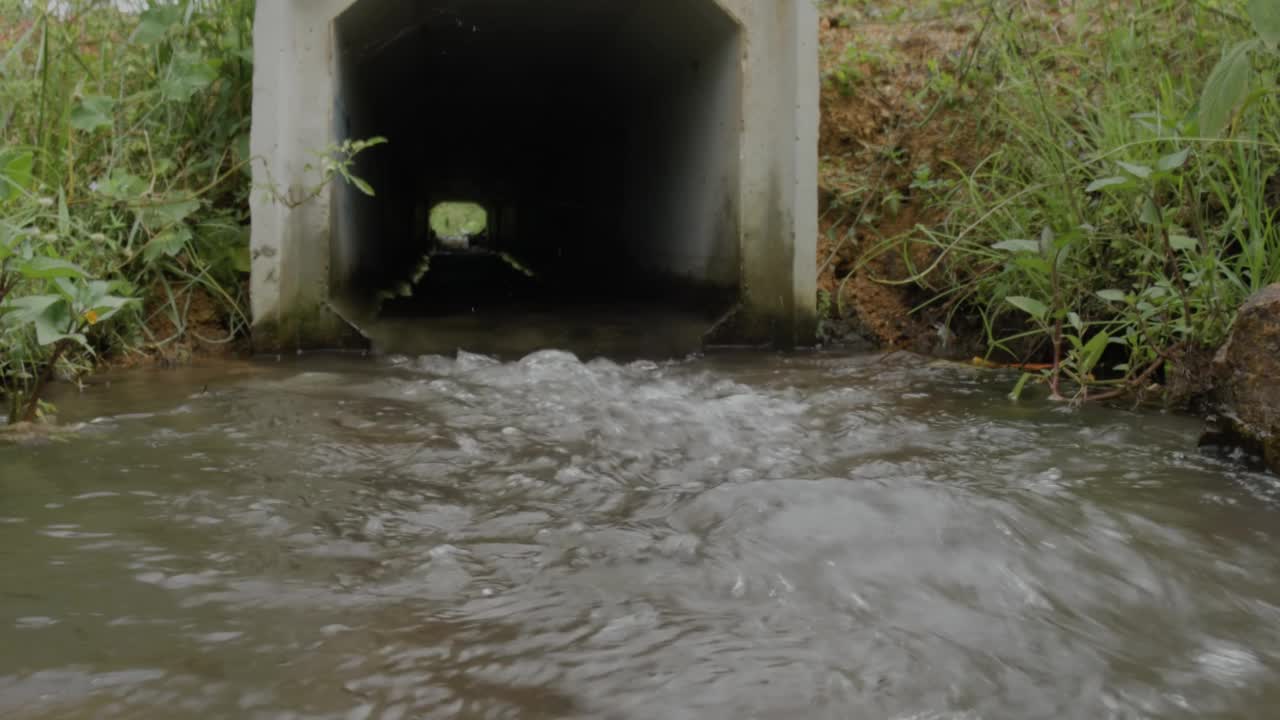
1137	382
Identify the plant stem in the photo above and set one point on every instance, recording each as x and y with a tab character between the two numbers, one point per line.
1136	383
33	400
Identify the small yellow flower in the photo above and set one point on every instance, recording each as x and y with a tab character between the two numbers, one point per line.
91	316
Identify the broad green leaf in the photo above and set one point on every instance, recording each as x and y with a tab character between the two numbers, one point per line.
1097	185
1173	161
1032	263
1226	88
49	314
15	172
1018	246
1075	321
1031	306
163	214
69	290
121	186
1142	172
1266	19
25	309
155	23
1113	295
93	112
1183	243
47	268
104	308
188	73
169	243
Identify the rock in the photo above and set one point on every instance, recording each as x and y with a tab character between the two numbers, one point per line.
1246	383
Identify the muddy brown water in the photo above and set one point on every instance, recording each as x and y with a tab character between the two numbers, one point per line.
739	537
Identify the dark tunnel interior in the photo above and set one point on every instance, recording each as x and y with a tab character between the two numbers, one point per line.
601	137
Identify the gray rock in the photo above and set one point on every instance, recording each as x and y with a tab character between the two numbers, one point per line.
1246	383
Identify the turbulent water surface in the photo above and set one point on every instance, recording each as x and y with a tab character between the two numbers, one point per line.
744	537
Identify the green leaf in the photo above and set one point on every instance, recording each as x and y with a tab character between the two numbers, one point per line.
93	112
169	243
47	268
1097	185
188	73
1018	246
1183	243
1173	161
69	290
1113	295
25	309
15	172
121	185
1021	387
1266	20
1150	213
1226	88
155	23
163	214
1048	240
49	314
360	184
1032	263
1075	321
1142	172
103	308
1092	352
1031	306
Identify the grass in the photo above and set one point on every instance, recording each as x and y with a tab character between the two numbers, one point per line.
124	162
1101	231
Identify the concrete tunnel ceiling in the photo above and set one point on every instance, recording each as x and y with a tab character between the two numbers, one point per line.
602	137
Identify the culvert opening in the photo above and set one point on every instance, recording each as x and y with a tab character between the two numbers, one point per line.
598	138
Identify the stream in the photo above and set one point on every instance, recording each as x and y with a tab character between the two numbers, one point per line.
745	536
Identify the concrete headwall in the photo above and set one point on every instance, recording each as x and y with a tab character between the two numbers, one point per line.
703	168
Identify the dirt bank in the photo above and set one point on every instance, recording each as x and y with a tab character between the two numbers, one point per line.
888	131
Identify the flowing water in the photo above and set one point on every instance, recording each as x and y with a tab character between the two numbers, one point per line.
742	537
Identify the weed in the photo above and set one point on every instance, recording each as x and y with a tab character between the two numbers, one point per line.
124	155
1111	228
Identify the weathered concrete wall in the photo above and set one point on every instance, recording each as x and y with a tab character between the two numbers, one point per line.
682	186
722	174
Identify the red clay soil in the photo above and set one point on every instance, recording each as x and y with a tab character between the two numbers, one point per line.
879	125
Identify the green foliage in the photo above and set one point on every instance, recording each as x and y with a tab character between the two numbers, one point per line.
1232	80
857	65
124	155
122	141
1112	228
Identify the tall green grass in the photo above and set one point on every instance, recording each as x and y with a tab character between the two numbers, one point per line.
123	177
1105	233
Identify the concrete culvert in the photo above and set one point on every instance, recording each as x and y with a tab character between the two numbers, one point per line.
642	168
